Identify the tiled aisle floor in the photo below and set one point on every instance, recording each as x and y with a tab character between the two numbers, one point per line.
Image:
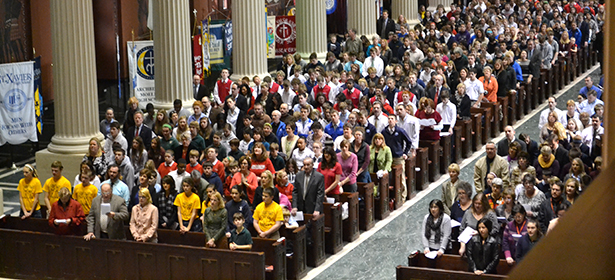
377	257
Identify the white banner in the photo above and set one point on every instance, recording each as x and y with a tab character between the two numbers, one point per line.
141	71
17	103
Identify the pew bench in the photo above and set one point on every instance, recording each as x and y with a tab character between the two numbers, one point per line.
333	227
446	267
296	263
434	152
315	226
422	163
366	213
410	177
477	129
381	202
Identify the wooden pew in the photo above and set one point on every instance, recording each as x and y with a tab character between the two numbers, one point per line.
477	130
422	162
410	177
296	264
566	61
494	122
562	73
350	225
467	139
483	122
542	90
434	158
366	214
507	110
381	202
117	259
556	78
457	132
333	227
445	156
534	93
316	228
445	267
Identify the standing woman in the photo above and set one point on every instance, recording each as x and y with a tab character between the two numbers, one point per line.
490	84
527	241
288	142
29	189
129	119
95	156
138	154
449	188
436	228
245	178
572	187
462	101
349	163
505	209
266	183
577	170
483	249
380	156
156	152
332	170
182	126
513	232
162	118
260	160
206	131
427	111
188	204
361	150
480	210
144	219
215	219
167	212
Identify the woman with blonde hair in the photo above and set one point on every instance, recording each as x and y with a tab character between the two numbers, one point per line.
129	119
265	183
214	221
380	156
95	156
29	189
144	219
182	127
552	127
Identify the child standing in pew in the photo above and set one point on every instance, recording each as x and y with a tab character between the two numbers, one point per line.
240	237
268	218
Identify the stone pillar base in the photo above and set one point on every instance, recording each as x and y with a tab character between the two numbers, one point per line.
71	163
322	56
186	104
237	77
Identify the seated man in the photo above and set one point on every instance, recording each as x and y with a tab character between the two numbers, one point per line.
66	215
110	223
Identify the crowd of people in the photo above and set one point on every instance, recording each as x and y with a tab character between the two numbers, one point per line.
254	152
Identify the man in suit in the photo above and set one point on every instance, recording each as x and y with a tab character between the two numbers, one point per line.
385	25
240	101
490	163
509	131
209	111
438	88
108	225
198	90
309	191
535	55
139	130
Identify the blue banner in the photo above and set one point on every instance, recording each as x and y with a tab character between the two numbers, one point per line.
331	6
228	38
38	97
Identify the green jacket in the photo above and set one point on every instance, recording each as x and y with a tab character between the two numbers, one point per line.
385	159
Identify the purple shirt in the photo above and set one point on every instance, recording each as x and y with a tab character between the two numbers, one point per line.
349	167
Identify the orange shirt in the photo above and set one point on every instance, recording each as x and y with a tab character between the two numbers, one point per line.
164	170
252	182
491	86
198	167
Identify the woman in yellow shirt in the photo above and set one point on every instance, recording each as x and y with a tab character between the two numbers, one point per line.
188	204
29	189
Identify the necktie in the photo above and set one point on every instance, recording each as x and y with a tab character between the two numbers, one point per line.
136	131
305	186
195	92
436	97
376	122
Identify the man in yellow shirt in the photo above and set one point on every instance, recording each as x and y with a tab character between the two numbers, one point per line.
54	184
85	192
268	216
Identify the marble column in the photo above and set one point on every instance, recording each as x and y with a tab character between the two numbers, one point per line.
409	9
311	20
74	85
250	39
433	4
172	53
362	16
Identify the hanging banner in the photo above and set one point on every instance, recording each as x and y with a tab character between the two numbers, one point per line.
17	103
38	97
331	6
271	37
197	55
141	70
285	35
216	43
228	38
205	47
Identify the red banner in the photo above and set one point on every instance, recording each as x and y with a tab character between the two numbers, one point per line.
285	35
197	51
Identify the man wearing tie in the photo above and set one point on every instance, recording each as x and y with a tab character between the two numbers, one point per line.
198	90
139	130
385	25
309	191
435	91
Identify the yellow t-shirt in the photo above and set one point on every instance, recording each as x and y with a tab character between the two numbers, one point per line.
85	195
29	191
268	215
187	204
52	187
204	207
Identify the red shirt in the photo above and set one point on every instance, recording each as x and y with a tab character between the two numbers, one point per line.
72	211
218	168
224	89
258	167
286	190
355	95
330	174
197	167
164	170
427	133
325	90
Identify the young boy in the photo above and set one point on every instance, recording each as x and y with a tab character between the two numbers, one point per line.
268	217
54	184
85	192
289	221
218	166
247	139
212	177
168	165
240	237
221	149
194	162
233	168
235	151
277	160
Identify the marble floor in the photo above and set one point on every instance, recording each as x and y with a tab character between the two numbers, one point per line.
377	256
